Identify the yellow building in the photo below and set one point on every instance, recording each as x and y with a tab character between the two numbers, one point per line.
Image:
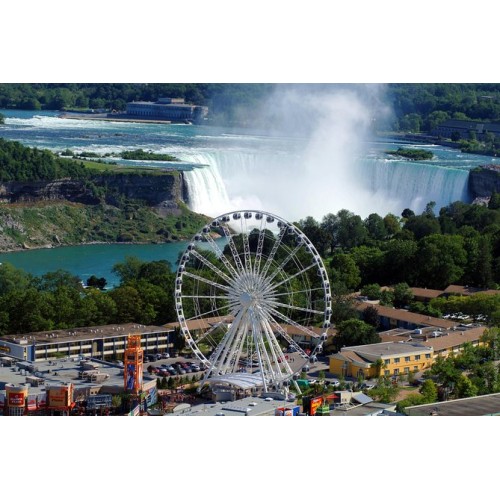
384	359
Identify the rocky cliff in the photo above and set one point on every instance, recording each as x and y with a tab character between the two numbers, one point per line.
162	190
484	181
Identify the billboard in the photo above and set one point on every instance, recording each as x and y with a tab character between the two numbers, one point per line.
287	411
315	404
59	397
16	397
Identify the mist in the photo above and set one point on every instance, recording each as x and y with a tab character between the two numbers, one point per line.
313	169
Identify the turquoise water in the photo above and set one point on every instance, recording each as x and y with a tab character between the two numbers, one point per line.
87	260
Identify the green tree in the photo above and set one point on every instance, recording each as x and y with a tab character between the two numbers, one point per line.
441	260
344	270
372	291
465	388
429	391
2	119
354	332
403	295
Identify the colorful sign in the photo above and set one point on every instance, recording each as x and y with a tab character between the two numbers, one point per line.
315	404
59	397
16	398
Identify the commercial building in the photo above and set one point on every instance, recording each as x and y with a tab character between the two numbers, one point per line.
103	342
167	109
65	386
384	359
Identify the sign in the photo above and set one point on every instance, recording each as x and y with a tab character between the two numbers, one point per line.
16	399
59	397
315	404
4	348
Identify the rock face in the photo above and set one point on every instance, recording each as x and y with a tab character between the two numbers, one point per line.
163	190
483	182
62	189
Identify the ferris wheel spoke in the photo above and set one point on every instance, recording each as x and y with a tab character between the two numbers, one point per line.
215	269
208	313
246	249
221	256
296	308
205	280
282	264
210	331
283	332
234	250
302	271
297	292
273	251
260	247
291	322
217	297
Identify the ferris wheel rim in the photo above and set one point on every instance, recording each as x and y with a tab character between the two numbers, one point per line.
240	273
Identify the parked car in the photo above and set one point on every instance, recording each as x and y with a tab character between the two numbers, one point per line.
165	355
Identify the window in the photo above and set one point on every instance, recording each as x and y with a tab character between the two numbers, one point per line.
407	370
396	371
415	368
387	372
407	359
427	356
396	360
417	357
387	361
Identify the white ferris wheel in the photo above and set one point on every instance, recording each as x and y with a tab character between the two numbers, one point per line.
251	292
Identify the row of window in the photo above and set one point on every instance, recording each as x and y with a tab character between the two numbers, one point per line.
407	359
387	373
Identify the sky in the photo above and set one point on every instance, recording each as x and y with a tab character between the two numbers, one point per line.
260	41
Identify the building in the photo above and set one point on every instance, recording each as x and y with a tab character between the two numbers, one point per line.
465	128
384	359
65	386
488	404
401	318
103	342
166	109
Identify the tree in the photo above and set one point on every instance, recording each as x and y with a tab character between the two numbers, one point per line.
465	388
344	270
354	332
2	119
385	392
429	391
376	227
96	282
402	295
441	260
392	225
372	291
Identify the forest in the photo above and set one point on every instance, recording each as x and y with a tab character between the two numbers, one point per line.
417	107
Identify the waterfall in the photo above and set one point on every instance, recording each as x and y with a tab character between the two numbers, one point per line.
295	185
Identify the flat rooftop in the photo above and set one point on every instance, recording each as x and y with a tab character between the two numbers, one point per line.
84	333
63	371
489	404
251	406
387	348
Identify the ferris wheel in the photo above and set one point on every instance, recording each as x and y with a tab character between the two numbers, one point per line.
251	290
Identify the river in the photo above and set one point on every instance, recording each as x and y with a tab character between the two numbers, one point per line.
228	169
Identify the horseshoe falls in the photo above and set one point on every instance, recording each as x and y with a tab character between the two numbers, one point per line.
297	185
